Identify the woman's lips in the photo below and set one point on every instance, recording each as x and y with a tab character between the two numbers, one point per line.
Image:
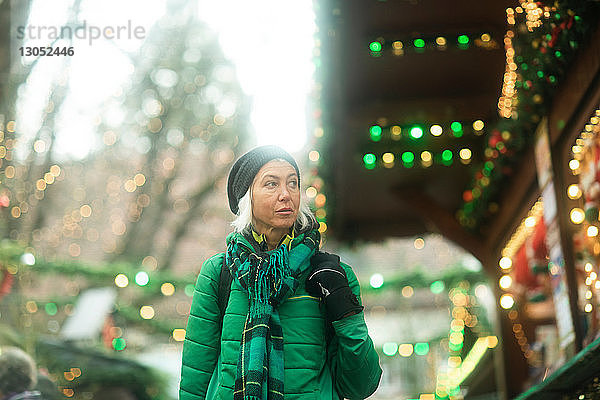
284	211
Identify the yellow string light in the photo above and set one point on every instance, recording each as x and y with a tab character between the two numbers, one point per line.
523	231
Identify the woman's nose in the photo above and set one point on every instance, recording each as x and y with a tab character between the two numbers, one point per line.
284	194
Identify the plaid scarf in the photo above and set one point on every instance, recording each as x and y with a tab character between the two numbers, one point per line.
269	277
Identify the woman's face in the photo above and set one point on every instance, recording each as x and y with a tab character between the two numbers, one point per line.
275	197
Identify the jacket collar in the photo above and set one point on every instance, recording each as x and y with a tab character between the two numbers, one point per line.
259	240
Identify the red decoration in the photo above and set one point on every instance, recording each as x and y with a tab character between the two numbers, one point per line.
108	332
522	272
467	196
7	282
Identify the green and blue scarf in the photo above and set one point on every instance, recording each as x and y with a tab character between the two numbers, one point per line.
269	277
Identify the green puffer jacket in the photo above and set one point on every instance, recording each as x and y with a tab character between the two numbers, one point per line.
346	368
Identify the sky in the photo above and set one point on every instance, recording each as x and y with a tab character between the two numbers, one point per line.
270	43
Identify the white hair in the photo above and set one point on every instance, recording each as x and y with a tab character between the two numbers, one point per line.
243	218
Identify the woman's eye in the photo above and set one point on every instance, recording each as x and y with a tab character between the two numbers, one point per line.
293	184
270	184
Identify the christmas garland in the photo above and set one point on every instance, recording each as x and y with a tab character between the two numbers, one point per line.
543	58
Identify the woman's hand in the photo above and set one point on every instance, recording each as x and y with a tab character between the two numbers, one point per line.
328	281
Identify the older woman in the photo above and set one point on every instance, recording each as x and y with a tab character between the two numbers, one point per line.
293	326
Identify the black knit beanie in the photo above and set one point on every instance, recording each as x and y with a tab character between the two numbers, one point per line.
247	166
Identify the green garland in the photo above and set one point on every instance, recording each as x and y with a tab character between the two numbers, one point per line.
417	278
543	58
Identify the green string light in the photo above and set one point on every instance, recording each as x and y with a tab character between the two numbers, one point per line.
456	126
463	39
540	74
421	348
369	159
375	46
419	43
390	348
375	132
119	344
437	287
447	157
51	308
457	129
408	157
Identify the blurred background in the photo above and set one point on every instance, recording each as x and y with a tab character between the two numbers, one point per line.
414	123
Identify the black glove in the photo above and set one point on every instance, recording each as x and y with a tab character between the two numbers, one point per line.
328	281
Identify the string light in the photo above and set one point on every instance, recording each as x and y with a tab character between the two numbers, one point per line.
577	215
405	349
436	130
506	101
179	334
419	243
141	278
147	312
522	232
398	48
376	281
534	14
167	289
311	192
420	44
375	46
121	280
426	159
375	133
530	222
506	301
478	125
369	160
465	155
574	192
388	160
416	132
390	348
574	165
505	281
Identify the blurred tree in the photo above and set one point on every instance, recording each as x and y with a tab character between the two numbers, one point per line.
27	175
188	114
165	142
12	75
151	189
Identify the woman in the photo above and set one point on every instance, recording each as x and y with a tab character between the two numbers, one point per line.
293	327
